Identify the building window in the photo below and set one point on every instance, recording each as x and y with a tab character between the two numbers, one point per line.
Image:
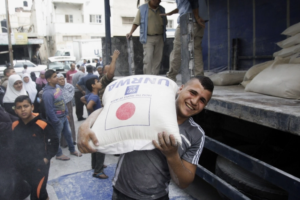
170	24
95	37
25	4
127	20
71	37
69	18
95	19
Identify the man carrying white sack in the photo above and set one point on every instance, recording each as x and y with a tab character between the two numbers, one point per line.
147	174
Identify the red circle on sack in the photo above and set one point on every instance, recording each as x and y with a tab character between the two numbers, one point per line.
125	111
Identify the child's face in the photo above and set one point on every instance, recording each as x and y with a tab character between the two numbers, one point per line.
24	109
53	79
98	84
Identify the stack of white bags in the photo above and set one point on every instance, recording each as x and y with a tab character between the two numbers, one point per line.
279	77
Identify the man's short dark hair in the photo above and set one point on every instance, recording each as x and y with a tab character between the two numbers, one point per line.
89	83
25	66
89	68
49	73
22	98
205	82
8	65
78	66
7	70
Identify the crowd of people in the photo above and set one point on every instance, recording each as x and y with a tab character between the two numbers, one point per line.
43	108
39	111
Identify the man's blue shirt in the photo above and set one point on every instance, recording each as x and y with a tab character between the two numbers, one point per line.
83	80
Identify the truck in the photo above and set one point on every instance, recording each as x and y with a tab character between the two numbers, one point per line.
82	49
252	143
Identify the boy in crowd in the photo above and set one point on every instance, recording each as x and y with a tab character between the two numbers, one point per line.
92	100
35	143
105	79
57	113
93	103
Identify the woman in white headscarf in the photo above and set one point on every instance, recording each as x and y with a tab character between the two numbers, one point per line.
14	89
68	92
30	88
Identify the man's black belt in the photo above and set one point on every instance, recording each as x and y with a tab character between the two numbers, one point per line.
154	35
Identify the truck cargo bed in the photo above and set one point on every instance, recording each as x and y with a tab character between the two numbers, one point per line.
274	112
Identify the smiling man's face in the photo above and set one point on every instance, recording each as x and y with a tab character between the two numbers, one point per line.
191	99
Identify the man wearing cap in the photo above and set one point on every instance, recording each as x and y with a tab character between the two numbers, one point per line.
152	34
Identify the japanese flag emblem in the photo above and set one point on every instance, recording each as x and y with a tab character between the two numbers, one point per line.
128	112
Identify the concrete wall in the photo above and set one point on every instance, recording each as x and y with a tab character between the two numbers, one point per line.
38	18
12	4
18	19
119	9
68	9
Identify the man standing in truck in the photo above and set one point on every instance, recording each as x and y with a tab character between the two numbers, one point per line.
152	34
200	16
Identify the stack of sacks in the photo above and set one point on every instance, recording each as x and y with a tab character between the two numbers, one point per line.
227	77
136	109
282	77
256	69
291	45
280	80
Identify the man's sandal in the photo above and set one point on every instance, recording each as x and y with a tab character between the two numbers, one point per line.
76	153
100	175
62	157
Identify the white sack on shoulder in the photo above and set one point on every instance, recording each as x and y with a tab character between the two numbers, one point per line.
136	109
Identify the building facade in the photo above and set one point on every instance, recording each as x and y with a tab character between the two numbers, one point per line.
61	22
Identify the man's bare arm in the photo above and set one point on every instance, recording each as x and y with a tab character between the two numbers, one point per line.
90	106
85	134
182	172
170	13
112	66
198	19
83	100
133	28
80	88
